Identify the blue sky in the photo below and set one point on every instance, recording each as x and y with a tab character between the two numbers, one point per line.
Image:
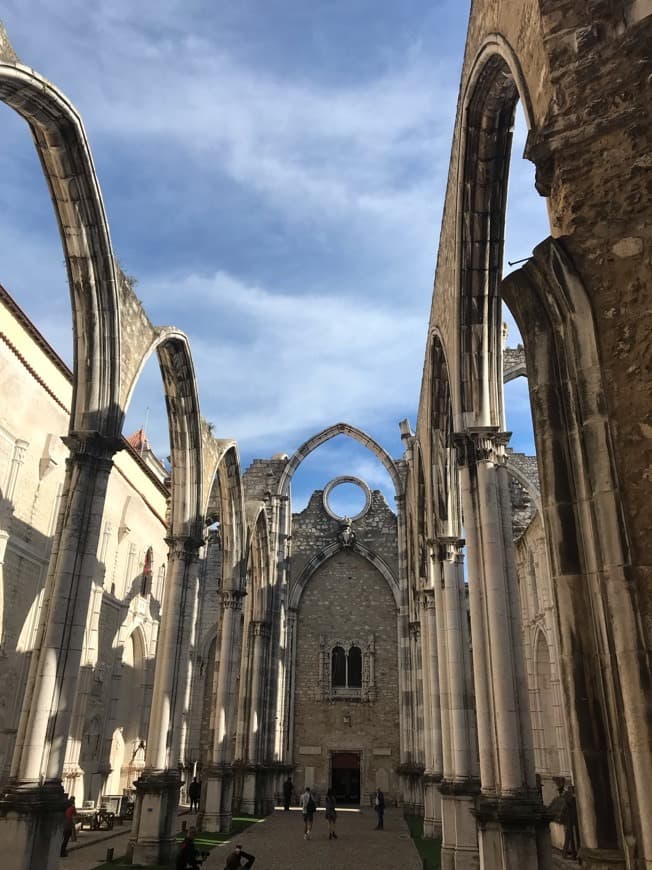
273	174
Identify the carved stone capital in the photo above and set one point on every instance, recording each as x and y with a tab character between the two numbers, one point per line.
483	444
91	445
232	599
451	549
260	628
415	630
428	599
184	548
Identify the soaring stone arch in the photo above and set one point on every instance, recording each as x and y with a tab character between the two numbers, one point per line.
184	426
491	91
258	558
226	502
65	155
588	546
442	473
331	432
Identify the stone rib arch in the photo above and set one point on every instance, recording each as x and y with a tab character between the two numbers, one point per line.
258	558
331	432
184	426
298	587
226	498
444	496
493	87
65	155
526	483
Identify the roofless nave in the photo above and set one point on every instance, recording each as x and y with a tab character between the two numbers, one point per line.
117	674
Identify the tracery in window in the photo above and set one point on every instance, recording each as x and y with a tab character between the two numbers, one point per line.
346	669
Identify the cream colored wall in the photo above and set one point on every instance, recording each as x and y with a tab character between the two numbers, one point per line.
35	395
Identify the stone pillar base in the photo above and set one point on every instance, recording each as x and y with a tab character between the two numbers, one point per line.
31	825
513	832
248	802
459	847
217	799
603	859
153	836
431	808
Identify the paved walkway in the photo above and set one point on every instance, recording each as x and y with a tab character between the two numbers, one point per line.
278	844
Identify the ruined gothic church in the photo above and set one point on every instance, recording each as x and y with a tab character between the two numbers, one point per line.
468	647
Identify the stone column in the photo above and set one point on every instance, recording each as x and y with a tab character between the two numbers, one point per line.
431	717
260	631
157	790
31	809
460	783
217	785
513	827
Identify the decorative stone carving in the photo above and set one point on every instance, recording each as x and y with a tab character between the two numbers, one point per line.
346	535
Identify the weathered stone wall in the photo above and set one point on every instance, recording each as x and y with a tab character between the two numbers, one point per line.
347	598
314	529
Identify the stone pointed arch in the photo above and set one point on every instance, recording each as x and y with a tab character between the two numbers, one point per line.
258	557
493	87
444	495
226	501
331	549
184	425
65	155
331	432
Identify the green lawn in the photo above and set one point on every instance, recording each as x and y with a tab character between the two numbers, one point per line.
204	841
430	850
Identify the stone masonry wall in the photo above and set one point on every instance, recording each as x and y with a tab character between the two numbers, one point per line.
347	598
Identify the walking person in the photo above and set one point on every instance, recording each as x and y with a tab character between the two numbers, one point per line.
379	806
288	788
331	814
309	807
194	793
68	826
235	859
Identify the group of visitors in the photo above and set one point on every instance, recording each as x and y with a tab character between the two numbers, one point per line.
309	808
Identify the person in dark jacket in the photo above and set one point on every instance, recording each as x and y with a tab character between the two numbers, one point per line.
68	826
194	793
235	859
188	857
288	788
379	806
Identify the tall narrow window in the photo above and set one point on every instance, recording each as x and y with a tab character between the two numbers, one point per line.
338	667
355	668
146	583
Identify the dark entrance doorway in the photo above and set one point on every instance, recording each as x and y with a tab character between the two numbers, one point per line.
345	777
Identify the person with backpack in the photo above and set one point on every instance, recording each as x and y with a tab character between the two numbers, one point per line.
309	807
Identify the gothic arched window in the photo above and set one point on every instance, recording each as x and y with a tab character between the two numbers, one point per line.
354	670
338	667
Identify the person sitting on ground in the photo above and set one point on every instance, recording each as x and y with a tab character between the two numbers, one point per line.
235	859
188	857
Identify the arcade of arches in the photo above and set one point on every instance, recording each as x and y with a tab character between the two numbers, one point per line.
471	648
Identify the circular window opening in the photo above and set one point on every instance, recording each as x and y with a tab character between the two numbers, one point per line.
347	497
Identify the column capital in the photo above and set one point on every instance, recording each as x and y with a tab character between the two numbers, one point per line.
415	629
481	444
427	599
232	598
260	628
184	547
452	549
92	444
